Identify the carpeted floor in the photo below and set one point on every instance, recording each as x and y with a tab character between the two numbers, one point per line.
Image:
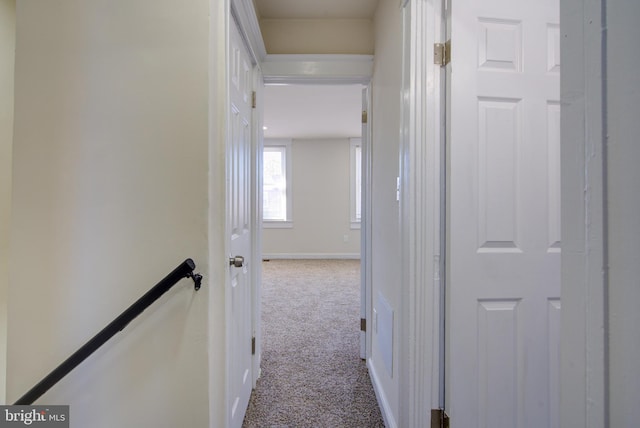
312	374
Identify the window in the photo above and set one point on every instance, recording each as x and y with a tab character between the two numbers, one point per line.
276	184
356	182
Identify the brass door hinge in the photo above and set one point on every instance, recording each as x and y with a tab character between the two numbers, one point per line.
363	324
364	116
439	419
442	53
253	346
253	99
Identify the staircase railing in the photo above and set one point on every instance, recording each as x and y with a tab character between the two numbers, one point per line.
184	270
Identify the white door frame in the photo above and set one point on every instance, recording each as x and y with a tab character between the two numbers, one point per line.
366	303
420	185
256	217
299	69
421	134
338	70
421	193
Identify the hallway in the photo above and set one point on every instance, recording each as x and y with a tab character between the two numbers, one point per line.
116	153
311	371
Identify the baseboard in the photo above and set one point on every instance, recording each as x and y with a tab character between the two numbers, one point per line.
383	403
332	256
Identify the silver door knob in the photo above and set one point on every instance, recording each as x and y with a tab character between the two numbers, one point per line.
237	261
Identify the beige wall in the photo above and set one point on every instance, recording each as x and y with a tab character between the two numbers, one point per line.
321	204
318	36
110	193
386	264
7	56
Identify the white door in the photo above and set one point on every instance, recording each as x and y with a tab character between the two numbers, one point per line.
239	224
503	306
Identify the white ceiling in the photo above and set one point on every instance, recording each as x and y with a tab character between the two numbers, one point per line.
312	111
315	9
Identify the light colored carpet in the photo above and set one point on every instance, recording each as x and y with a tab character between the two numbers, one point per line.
312	374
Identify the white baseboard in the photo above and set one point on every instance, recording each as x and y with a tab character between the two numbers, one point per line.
385	408
276	256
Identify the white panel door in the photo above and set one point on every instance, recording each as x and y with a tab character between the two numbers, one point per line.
504	215
239	224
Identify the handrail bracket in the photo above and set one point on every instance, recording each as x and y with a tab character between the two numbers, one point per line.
197	280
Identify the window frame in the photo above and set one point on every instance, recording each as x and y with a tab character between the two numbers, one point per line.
355	196
285	144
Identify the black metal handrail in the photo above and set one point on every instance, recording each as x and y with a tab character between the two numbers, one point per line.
184	270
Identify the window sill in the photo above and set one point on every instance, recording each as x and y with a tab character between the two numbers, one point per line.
277	224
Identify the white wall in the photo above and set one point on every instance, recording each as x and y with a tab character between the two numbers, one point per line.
321	204
600	380
386	274
7	57
110	193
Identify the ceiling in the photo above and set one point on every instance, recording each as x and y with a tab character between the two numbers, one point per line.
315	9
313	111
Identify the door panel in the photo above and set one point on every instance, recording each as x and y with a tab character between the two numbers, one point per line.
239	221
503	274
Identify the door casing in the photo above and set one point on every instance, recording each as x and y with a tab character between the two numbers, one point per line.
289	69
421	203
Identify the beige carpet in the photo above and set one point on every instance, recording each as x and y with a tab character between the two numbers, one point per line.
312	374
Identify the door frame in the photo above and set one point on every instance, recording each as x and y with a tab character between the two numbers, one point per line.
421	189
257	144
422	196
293	70
297	69
422	134
295	73
366	231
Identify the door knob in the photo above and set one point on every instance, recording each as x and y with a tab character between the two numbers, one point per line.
237	261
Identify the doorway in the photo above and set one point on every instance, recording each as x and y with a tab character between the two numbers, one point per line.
311	228
314	134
